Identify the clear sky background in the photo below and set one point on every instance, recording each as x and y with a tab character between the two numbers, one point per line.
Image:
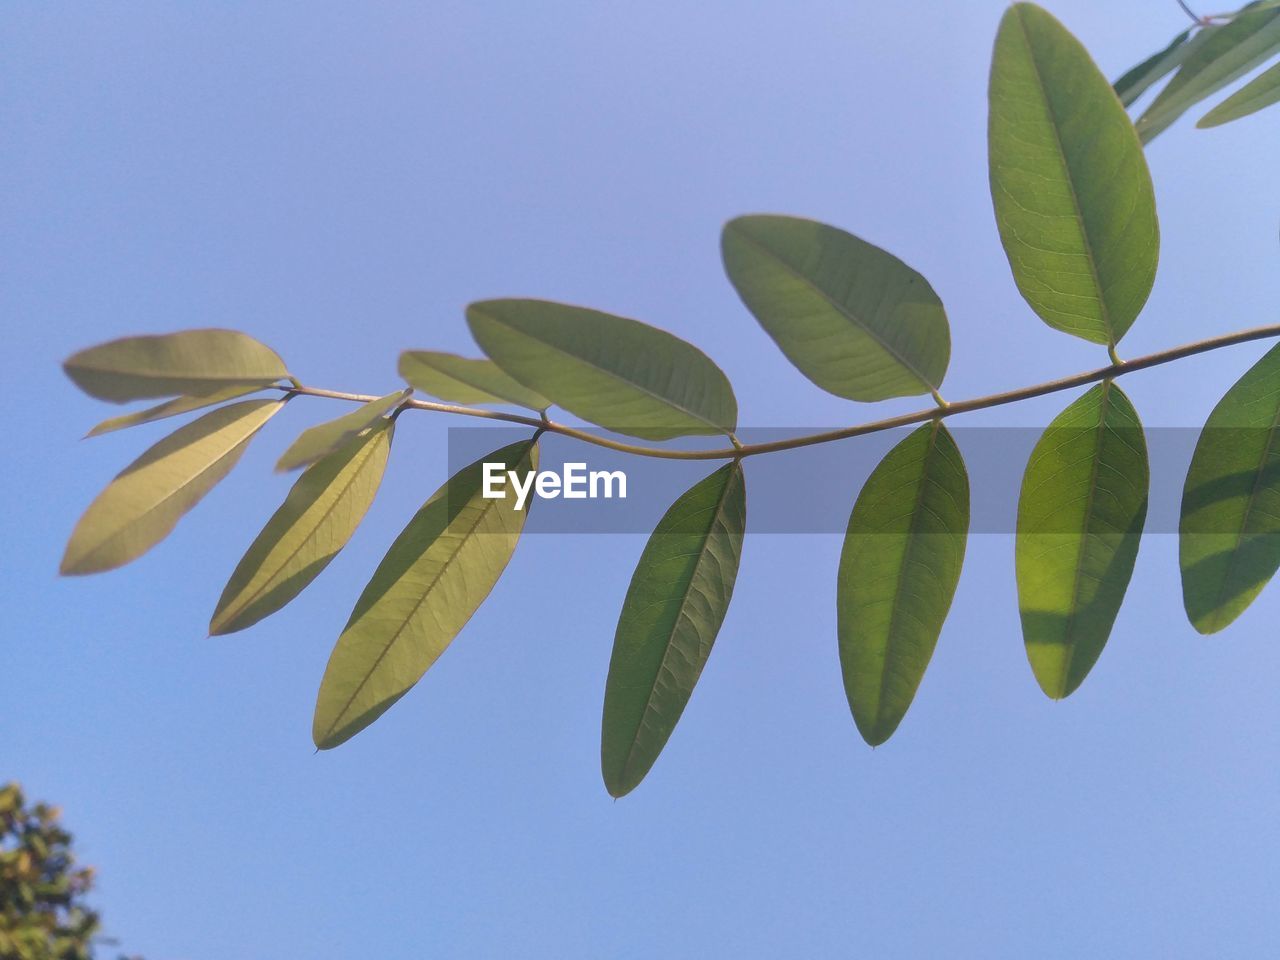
340	180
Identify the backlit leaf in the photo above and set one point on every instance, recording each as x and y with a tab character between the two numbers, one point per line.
315	521
1070	185
1232	51
323	439
171	408
1080	517
192	362
675	605
621	374
1260	92
434	577
854	319
1156	67
1229	533
457	379
898	572
142	505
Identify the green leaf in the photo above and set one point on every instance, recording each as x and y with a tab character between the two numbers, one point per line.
142	505
621	374
192	362
434	577
898	572
457	379
1150	71
1070	185
1229	533
675	605
1232	51
171	408
1261	92
1080	518
853	318
315	521
321	440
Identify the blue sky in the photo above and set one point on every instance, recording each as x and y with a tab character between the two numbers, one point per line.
340	180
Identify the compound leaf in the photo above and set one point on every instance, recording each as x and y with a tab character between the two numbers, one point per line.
675	605
1080	518
898	572
456	379
141	506
621	374
1070	185
315	521
434	577
1230	52
853	318
192	362
324	438
1260	92
1229	532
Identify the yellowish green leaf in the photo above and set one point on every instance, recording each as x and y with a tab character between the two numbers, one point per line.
315	521
142	505
321	440
434	577
457	379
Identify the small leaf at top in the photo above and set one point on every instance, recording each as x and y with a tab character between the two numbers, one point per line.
853	318
170	408
456	379
191	362
434	577
141	506
1069	182
1150	71
620	374
676	602
1080	517
315	521
1229	532
1230	52
324	438
899	567
1259	93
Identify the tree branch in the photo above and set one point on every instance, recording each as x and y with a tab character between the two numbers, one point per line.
739	451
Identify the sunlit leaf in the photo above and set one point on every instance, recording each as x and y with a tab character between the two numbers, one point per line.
1232	51
898	572
434	577
621	374
192	362
457	379
1070	185
1261	92
142	505
1155	68
1229	533
323	439
853	318
674	608
1080	517
315	521
171	408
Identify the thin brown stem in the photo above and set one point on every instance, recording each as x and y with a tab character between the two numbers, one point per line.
827	436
